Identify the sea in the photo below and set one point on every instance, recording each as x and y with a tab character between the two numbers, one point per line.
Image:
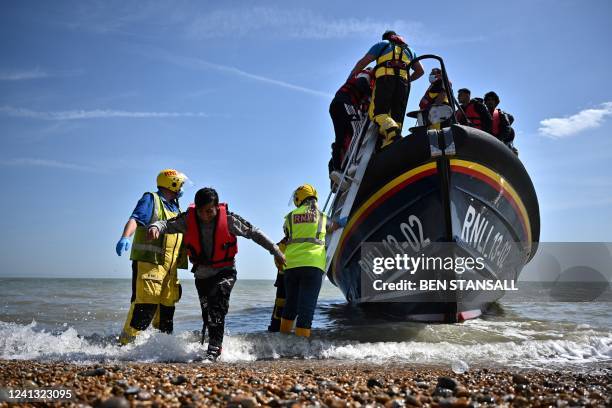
79	321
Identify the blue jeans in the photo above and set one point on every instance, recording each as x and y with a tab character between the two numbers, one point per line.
302	286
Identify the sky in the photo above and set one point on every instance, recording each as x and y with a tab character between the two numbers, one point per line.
96	97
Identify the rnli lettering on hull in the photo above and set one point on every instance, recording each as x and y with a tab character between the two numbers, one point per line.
478	232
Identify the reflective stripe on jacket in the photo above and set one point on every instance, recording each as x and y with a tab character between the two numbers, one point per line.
164	250
393	62
306	228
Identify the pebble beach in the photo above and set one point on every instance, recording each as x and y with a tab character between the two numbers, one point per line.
296	383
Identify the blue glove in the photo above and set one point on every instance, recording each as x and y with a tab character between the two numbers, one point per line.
342	221
123	245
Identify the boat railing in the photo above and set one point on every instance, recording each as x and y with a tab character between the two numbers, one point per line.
344	194
347	164
447	84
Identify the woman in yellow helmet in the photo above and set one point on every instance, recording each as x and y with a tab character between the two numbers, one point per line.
305	229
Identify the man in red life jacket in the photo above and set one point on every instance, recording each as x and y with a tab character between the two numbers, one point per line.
477	114
210	234
347	109
501	121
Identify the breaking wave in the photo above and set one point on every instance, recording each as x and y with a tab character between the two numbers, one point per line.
519	344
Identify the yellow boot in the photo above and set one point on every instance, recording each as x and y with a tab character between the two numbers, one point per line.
300	331
389	137
388	128
286	326
128	334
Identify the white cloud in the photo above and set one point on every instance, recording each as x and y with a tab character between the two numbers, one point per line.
94	114
152	19
33	162
106	17
294	23
558	128
36	73
304	24
196	63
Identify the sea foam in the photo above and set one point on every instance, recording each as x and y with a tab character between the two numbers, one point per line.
28	342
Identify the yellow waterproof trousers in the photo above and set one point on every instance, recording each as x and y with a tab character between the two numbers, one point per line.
155	291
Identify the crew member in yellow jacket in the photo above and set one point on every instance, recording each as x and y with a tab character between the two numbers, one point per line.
393	59
305	229
155	285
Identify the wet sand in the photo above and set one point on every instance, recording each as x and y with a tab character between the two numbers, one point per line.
294	383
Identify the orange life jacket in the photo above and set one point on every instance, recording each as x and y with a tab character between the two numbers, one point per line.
496	121
225	244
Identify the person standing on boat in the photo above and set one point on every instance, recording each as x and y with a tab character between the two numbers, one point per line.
501	126
392	83
305	229
155	285
473	111
346	109
210	236
435	94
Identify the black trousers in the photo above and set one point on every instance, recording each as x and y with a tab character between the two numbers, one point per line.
214	294
390	97
279	303
343	114
302	287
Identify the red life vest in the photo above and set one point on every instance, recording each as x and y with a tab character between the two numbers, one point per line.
225	244
496	122
357	93
473	116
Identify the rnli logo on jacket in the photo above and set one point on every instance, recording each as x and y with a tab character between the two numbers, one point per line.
304	218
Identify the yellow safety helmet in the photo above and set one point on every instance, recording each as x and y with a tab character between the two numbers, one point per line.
303	192
171	179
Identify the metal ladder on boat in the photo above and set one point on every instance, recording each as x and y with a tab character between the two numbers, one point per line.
356	162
